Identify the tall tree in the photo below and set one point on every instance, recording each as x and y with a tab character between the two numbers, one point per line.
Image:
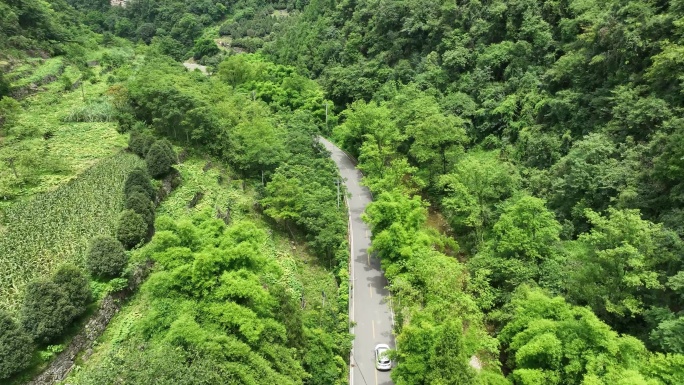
551	341
16	346
368	118
524	248
257	145
437	141
479	181
615	265
591	175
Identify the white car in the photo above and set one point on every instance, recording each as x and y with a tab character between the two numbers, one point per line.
382	362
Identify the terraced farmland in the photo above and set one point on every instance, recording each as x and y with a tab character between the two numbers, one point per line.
55	227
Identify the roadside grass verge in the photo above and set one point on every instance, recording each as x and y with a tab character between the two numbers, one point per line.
313	282
220	193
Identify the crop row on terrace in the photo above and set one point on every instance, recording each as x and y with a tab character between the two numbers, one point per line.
55	227
56	135
37	73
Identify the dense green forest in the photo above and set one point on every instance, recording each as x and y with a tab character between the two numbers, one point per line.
548	135
526	160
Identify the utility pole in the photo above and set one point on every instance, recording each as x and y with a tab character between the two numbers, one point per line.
326	121
337	182
320	317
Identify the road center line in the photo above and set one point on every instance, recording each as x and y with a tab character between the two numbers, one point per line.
361	341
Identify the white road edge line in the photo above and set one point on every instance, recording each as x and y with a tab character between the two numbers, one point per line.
352	288
352	279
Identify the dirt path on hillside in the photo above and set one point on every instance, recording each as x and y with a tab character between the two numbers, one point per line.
191	65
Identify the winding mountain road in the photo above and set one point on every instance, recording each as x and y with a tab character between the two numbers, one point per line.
369	308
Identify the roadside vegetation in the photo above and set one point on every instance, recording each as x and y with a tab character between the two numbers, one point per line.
286	312
216	308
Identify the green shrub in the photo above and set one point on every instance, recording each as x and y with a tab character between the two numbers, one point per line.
50	352
125	121
115	58
160	158
139	180
169	150
137	190
146	32
166	45
106	257
4	89
46	311
15	346
141	204
140	142
76	286
67	83
9	112
107	38
204	47
101	289
132	229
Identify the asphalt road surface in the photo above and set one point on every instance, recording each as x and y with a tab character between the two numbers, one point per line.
369	307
